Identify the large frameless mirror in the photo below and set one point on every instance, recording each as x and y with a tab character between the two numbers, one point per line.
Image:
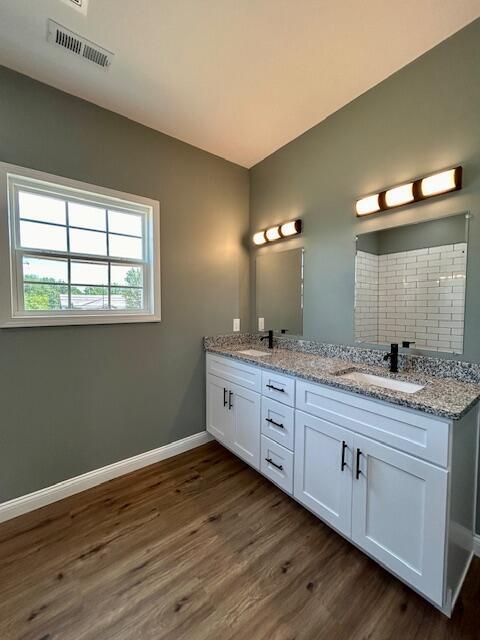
279	291
410	285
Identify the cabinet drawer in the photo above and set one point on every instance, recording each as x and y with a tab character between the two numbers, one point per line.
277	464
237	372
278	387
278	422
412	432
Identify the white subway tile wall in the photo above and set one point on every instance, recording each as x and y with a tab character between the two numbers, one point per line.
420	297
366	297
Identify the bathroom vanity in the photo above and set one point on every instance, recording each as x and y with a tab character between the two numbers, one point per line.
392	471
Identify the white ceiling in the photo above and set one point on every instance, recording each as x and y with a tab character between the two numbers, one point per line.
239	78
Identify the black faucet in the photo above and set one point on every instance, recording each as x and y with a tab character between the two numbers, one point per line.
393	357
269	336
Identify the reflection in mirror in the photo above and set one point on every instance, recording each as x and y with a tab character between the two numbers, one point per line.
279	291
410	285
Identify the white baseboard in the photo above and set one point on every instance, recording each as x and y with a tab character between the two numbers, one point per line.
476	544
37	499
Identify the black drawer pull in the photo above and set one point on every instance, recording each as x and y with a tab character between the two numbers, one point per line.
225	402
344	448
270	461
271	386
358	472
277	424
230	395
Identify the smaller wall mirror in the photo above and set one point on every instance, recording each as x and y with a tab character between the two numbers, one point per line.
410	285
279	291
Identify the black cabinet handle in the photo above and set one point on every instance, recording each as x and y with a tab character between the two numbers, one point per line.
225	402
230	395
344	448
277	424
358	472
270	461
271	386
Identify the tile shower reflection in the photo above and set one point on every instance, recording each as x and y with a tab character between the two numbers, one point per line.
410	285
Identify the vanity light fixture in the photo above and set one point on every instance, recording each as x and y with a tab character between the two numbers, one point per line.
278	232
415	191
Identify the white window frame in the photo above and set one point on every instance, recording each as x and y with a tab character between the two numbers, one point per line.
12	313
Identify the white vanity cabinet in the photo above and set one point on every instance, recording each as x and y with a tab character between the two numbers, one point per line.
323	470
399	507
390	504
398	483
233	410
219	416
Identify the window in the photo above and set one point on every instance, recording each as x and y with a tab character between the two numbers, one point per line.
79	253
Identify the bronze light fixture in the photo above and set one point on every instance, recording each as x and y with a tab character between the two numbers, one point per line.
410	192
278	232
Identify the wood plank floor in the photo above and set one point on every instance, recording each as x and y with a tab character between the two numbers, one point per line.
202	547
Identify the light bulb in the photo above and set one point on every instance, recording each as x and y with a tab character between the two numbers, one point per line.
370	204
399	195
273	233
289	228
439	183
259	237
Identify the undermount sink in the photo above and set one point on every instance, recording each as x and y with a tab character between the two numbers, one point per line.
386	383
254	352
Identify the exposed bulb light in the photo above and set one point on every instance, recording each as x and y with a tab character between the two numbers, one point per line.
439	183
399	195
367	205
278	232
415	191
290	228
259	237
273	233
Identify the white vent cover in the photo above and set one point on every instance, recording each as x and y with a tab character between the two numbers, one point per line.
63	37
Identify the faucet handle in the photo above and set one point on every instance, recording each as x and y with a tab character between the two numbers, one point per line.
406	343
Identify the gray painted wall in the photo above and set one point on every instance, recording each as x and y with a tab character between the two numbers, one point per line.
422	119
77	398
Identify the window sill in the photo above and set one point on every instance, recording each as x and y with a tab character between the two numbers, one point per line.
57	321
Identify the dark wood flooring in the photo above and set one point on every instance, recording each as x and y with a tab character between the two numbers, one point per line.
201	547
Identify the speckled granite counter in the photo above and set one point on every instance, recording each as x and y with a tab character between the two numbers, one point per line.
444	396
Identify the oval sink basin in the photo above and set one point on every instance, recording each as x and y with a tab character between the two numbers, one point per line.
254	352
386	383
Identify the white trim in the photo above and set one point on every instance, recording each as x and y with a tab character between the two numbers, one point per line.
37	499
13	314
460	585
476	544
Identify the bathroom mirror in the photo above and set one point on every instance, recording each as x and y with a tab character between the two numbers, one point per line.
410	285
279	291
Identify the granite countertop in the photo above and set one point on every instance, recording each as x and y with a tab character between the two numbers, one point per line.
441	396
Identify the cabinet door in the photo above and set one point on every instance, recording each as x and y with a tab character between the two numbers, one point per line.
219	417
323	470
399	514
246	424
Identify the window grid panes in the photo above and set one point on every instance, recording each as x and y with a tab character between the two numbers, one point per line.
50	285
82	229
76	256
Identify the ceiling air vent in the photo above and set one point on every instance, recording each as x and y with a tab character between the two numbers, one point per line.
62	37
